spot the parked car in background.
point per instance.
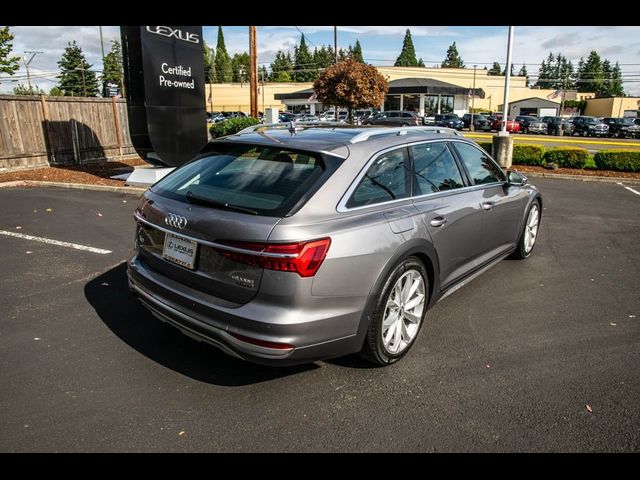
(496, 124)
(450, 120)
(429, 120)
(530, 124)
(286, 116)
(480, 122)
(286, 249)
(394, 118)
(622, 127)
(553, 125)
(307, 117)
(590, 127)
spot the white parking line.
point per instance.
(55, 242)
(629, 188)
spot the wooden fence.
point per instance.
(36, 130)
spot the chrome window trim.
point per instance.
(219, 246)
(342, 204)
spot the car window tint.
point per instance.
(407, 115)
(481, 168)
(386, 179)
(434, 168)
(268, 180)
(393, 114)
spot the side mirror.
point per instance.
(516, 178)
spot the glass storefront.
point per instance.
(430, 104)
(392, 102)
(411, 103)
(446, 103)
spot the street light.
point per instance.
(473, 97)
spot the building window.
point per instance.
(430, 104)
(392, 102)
(446, 103)
(411, 103)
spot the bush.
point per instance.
(569, 157)
(528, 154)
(486, 146)
(231, 126)
(621, 160)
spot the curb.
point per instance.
(77, 186)
(582, 178)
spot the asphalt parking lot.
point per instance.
(510, 362)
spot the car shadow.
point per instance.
(125, 316)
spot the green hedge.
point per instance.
(486, 146)
(621, 160)
(524, 154)
(569, 157)
(231, 126)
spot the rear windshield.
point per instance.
(252, 179)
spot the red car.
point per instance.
(496, 124)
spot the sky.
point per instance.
(481, 45)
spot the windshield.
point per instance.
(626, 121)
(249, 178)
(592, 121)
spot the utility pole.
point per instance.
(473, 97)
(335, 47)
(263, 112)
(253, 74)
(502, 143)
(26, 65)
(560, 133)
(101, 43)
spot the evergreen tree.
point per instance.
(357, 52)
(616, 88)
(281, 68)
(8, 65)
(303, 65)
(264, 76)
(523, 73)
(112, 66)
(224, 69)
(26, 90)
(323, 57)
(407, 57)
(209, 60)
(76, 77)
(511, 71)
(453, 59)
(606, 77)
(591, 76)
(343, 55)
(241, 67)
(55, 92)
(420, 62)
(555, 72)
(495, 70)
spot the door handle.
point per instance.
(438, 221)
(487, 205)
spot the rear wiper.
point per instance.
(191, 198)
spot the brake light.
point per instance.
(304, 258)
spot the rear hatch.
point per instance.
(206, 225)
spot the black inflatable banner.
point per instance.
(164, 85)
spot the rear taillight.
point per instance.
(304, 258)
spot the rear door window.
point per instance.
(435, 169)
(255, 179)
(386, 179)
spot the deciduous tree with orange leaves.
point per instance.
(350, 84)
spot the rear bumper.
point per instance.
(330, 333)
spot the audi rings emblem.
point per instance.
(175, 221)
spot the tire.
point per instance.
(525, 248)
(385, 344)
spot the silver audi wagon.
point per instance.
(287, 244)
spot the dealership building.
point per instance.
(425, 90)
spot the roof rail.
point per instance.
(374, 132)
(290, 125)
